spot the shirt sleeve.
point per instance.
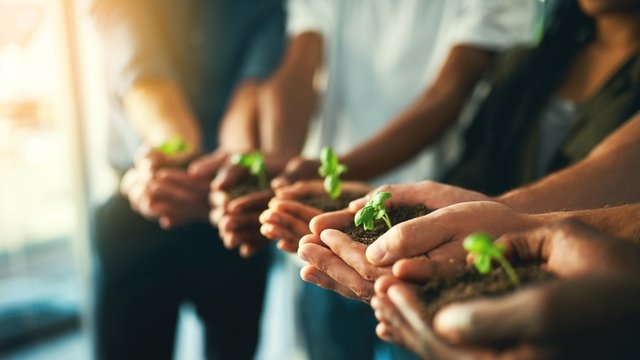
(496, 24)
(266, 47)
(310, 15)
(132, 41)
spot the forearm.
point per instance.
(288, 99)
(620, 221)
(239, 128)
(607, 177)
(159, 111)
(424, 121)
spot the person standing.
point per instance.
(186, 71)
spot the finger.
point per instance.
(352, 253)
(235, 239)
(219, 198)
(159, 189)
(296, 169)
(312, 275)
(383, 283)
(285, 237)
(300, 189)
(311, 239)
(228, 176)
(408, 304)
(490, 321)
(239, 223)
(421, 269)
(408, 239)
(331, 220)
(294, 208)
(253, 202)
(327, 262)
(284, 220)
(207, 166)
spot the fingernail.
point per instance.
(311, 279)
(453, 321)
(374, 252)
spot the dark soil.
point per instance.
(472, 285)
(397, 214)
(247, 185)
(327, 204)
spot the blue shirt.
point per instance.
(207, 46)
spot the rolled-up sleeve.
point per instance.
(310, 15)
(496, 24)
(133, 42)
(266, 46)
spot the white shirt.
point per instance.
(381, 54)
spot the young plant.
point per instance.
(174, 146)
(372, 211)
(485, 250)
(331, 169)
(255, 163)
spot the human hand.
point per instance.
(433, 195)
(539, 322)
(159, 189)
(591, 317)
(287, 219)
(237, 218)
(430, 244)
(296, 169)
(570, 248)
(335, 262)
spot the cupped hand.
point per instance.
(287, 219)
(433, 195)
(297, 168)
(433, 243)
(159, 189)
(336, 262)
(571, 248)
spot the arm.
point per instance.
(142, 74)
(284, 122)
(608, 176)
(424, 121)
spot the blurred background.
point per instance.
(53, 108)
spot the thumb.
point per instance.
(490, 321)
(296, 169)
(207, 166)
(228, 176)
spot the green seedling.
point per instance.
(331, 169)
(485, 250)
(372, 211)
(255, 163)
(174, 146)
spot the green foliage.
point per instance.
(173, 146)
(372, 211)
(255, 163)
(485, 250)
(331, 169)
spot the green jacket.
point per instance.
(501, 154)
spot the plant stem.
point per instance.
(509, 270)
(262, 180)
(387, 221)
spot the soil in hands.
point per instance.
(471, 285)
(246, 185)
(397, 214)
(327, 204)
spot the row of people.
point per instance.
(541, 108)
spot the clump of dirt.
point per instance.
(327, 204)
(471, 285)
(245, 186)
(397, 214)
